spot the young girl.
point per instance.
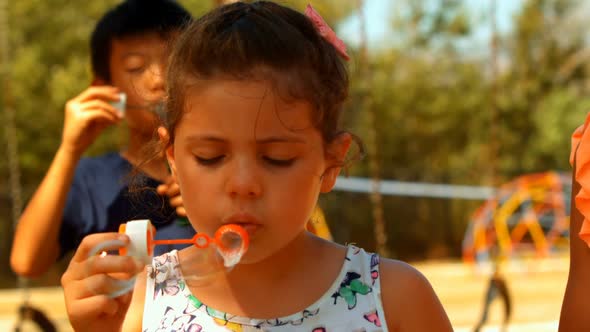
(255, 93)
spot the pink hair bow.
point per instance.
(326, 32)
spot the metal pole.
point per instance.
(10, 134)
(376, 198)
(494, 146)
(503, 247)
(9, 116)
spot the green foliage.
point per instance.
(332, 11)
(425, 23)
(433, 105)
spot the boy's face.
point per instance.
(138, 68)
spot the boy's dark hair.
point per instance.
(129, 18)
(260, 40)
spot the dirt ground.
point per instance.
(536, 286)
(537, 289)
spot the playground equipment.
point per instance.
(318, 225)
(528, 216)
(26, 312)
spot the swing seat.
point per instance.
(27, 312)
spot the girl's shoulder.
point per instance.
(403, 282)
(409, 301)
(402, 271)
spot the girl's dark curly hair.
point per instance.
(260, 41)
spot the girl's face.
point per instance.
(242, 155)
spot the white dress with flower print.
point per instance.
(353, 303)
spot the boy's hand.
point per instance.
(87, 115)
(171, 189)
(87, 284)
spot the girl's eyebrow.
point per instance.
(208, 138)
(265, 140)
(280, 139)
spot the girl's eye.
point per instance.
(208, 161)
(279, 162)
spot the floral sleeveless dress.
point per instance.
(352, 303)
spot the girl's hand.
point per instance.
(88, 281)
(87, 115)
(172, 190)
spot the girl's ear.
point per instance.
(335, 156)
(168, 149)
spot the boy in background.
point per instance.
(79, 196)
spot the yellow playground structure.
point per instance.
(318, 225)
(528, 216)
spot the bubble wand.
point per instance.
(230, 241)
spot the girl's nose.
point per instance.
(243, 180)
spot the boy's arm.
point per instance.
(574, 310)
(35, 247)
(36, 244)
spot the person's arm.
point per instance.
(576, 301)
(409, 301)
(134, 318)
(36, 245)
(88, 284)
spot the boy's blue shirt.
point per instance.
(99, 200)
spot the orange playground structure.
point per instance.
(526, 217)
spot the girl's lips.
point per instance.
(245, 220)
(250, 228)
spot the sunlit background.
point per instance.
(465, 107)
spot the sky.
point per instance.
(378, 17)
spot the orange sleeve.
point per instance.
(581, 153)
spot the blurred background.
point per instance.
(465, 107)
